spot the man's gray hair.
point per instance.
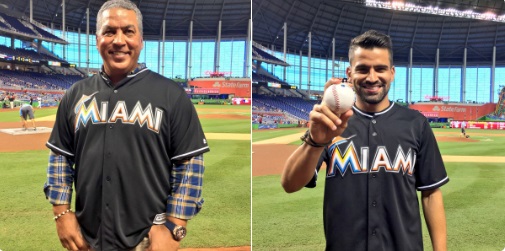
(123, 4)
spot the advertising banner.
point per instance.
(454, 111)
(239, 87)
(206, 91)
(479, 125)
(241, 101)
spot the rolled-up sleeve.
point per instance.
(186, 180)
(60, 178)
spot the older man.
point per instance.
(131, 143)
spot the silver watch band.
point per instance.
(160, 219)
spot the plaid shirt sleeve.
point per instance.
(60, 177)
(186, 179)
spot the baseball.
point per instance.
(339, 98)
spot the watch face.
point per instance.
(179, 233)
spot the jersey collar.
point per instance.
(373, 114)
(140, 68)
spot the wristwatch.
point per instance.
(179, 232)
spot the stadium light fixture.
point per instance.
(409, 7)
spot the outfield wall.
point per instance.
(455, 111)
(479, 125)
(239, 87)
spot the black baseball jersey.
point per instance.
(372, 174)
(124, 141)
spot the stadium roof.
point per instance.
(205, 14)
(345, 19)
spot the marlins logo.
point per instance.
(350, 159)
(97, 114)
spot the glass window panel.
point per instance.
(471, 84)
(399, 86)
(483, 85)
(499, 82)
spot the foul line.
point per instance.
(228, 136)
(473, 159)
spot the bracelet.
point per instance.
(309, 141)
(61, 214)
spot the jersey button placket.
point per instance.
(374, 188)
(108, 172)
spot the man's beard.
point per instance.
(373, 99)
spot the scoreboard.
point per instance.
(276, 85)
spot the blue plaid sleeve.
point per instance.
(186, 179)
(60, 177)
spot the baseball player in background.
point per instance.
(377, 156)
(26, 112)
(130, 142)
(463, 129)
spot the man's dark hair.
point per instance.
(369, 40)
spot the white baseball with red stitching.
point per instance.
(339, 98)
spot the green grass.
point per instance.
(26, 216)
(259, 135)
(284, 221)
(224, 109)
(225, 218)
(487, 145)
(474, 200)
(225, 125)
(8, 115)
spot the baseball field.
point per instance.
(224, 223)
(474, 198)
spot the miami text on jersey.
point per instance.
(98, 114)
(349, 159)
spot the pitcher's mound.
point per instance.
(21, 131)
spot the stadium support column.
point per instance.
(163, 48)
(308, 61)
(493, 69)
(326, 69)
(31, 11)
(79, 46)
(87, 41)
(218, 47)
(39, 44)
(437, 66)
(190, 45)
(409, 84)
(52, 44)
(272, 52)
(333, 57)
(63, 29)
(159, 56)
(463, 77)
(248, 51)
(284, 46)
(300, 72)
